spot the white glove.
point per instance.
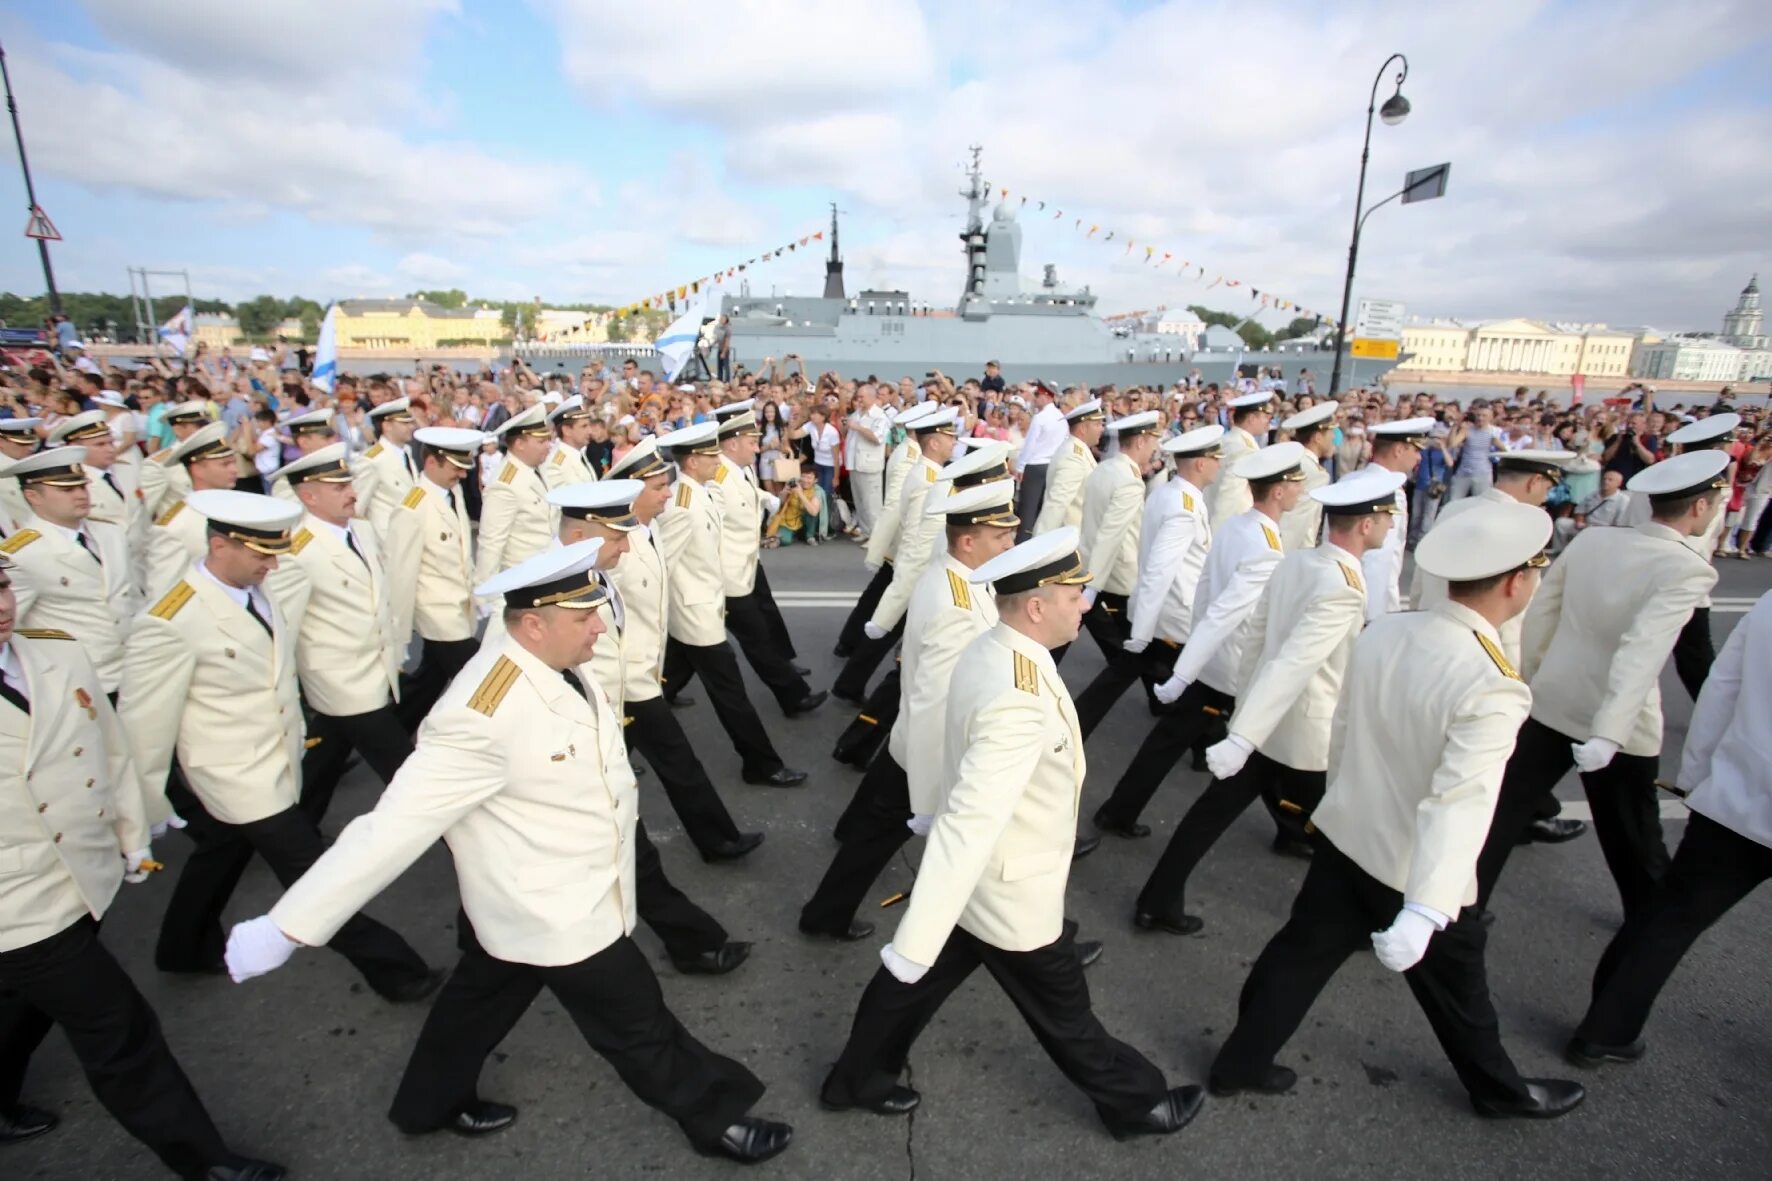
(1089, 593)
(1171, 690)
(138, 865)
(920, 824)
(905, 971)
(1136, 646)
(873, 631)
(1594, 754)
(483, 611)
(871, 567)
(255, 947)
(173, 820)
(1401, 946)
(771, 502)
(1225, 759)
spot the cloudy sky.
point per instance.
(1609, 159)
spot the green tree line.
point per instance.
(1255, 335)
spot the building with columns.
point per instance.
(1518, 346)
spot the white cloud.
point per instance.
(430, 270)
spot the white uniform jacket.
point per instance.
(88, 594)
(1173, 542)
(117, 502)
(428, 549)
(1245, 552)
(163, 482)
(1428, 715)
(689, 535)
(1727, 761)
(884, 539)
(1066, 475)
(516, 520)
(1383, 566)
(175, 539)
(999, 854)
(945, 615)
(1113, 506)
(919, 538)
(1426, 589)
(341, 604)
(13, 507)
(529, 785)
(1230, 493)
(741, 535)
(1601, 628)
(565, 465)
(1300, 524)
(1301, 636)
(70, 800)
(639, 579)
(382, 476)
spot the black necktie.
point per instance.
(14, 696)
(578, 686)
(259, 619)
(406, 458)
(449, 495)
(351, 543)
(113, 484)
(80, 540)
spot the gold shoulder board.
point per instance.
(1495, 654)
(1187, 501)
(172, 601)
(1081, 448)
(508, 473)
(1273, 539)
(42, 633)
(414, 498)
(165, 518)
(684, 495)
(961, 592)
(19, 541)
(161, 454)
(559, 457)
(720, 474)
(1027, 677)
(300, 541)
(929, 474)
(1351, 578)
(373, 451)
(492, 690)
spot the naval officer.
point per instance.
(1067, 473)
(520, 770)
(428, 550)
(515, 520)
(884, 536)
(177, 538)
(1396, 447)
(1593, 647)
(114, 489)
(1301, 636)
(1314, 429)
(309, 432)
(1251, 415)
(209, 674)
(1695, 651)
(1203, 686)
(164, 481)
(72, 817)
(71, 573)
(18, 438)
(990, 889)
(946, 613)
(565, 464)
(385, 473)
(336, 594)
(1428, 714)
(738, 446)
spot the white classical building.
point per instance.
(1689, 358)
(1183, 323)
(1744, 327)
(1518, 346)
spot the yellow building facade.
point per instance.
(414, 324)
(1518, 346)
(1436, 348)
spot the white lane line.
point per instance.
(1579, 810)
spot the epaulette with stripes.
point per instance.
(1273, 539)
(1351, 578)
(684, 496)
(414, 498)
(1495, 654)
(492, 690)
(1187, 502)
(929, 474)
(720, 474)
(173, 601)
(508, 473)
(1027, 675)
(961, 592)
(373, 451)
(42, 633)
(299, 542)
(19, 541)
(558, 458)
(165, 518)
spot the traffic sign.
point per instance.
(1379, 318)
(1376, 350)
(40, 227)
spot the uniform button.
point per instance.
(90, 782)
(42, 807)
(101, 811)
(79, 750)
(58, 838)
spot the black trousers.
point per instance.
(1695, 651)
(438, 662)
(1215, 811)
(1107, 623)
(1337, 909)
(1111, 626)
(1046, 986)
(1627, 814)
(191, 936)
(614, 999)
(872, 830)
(1197, 711)
(865, 736)
(778, 627)
(659, 739)
(70, 980)
(1033, 494)
(1715, 868)
(852, 683)
(379, 736)
(748, 621)
(718, 669)
(852, 635)
(684, 928)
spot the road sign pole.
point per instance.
(55, 299)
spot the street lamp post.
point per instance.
(1395, 110)
(55, 300)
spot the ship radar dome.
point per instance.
(1003, 212)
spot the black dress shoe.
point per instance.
(1554, 831)
(732, 850)
(1187, 924)
(854, 699)
(1275, 1080)
(785, 777)
(1593, 1054)
(416, 989)
(1487, 918)
(680, 701)
(897, 1101)
(717, 962)
(1546, 1098)
(842, 652)
(1131, 832)
(806, 704)
(1176, 1110)
(854, 932)
(752, 1141)
(481, 1118)
(21, 1122)
(1293, 847)
(246, 1170)
(1084, 847)
(1088, 951)
(801, 670)
(639, 769)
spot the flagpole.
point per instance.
(55, 299)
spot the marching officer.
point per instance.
(884, 537)
(1695, 651)
(72, 815)
(1314, 430)
(515, 520)
(1301, 636)
(1203, 686)
(1592, 648)
(18, 438)
(990, 889)
(739, 450)
(309, 432)
(918, 539)
(163, 481)
(1068, 472)
(335, 592)
(1251, 416)
(204, 462)
(1429, 711)
(1396, 447)
(520, 768)
(565, 464)
(209, 672)
(71, 573)
(946, 613)
(114, 501)
(385, 473)
(428, 551)
(689, 533)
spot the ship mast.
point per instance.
(973, 236)
(833, 267)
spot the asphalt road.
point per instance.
(300, 1066)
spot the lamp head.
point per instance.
(1394, 110)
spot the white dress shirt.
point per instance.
(1046, 434)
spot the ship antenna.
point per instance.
(833, 267)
